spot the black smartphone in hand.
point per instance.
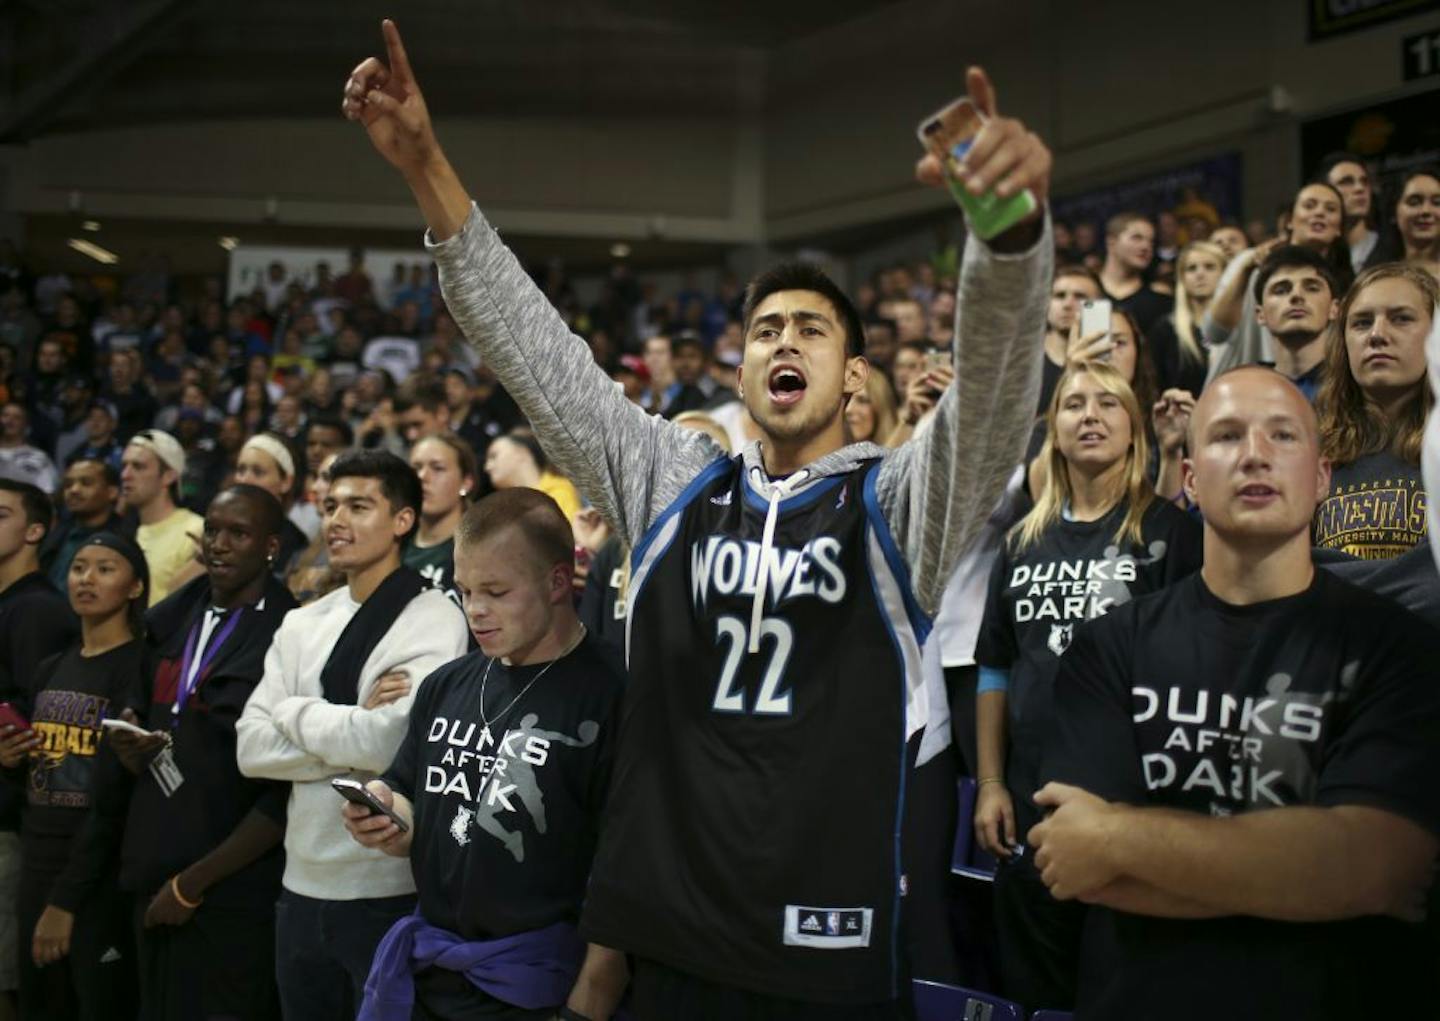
(355, 792)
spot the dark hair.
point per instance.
(1295, 257)
(398, 481)
(687, 339)
(526, 439)
(1331, 160)
(804, 276)
(537, 516)
(107, 470)
(39, 509)
(270, 515)
(347, 434)
(919, 346)
(426, 391)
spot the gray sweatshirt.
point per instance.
(936, 491)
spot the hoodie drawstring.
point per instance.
(778, 492)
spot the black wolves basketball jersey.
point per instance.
(752, 834)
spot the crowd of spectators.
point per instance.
(160, 414)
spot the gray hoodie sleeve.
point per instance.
(1247, 343)
(938, 489)
(629, 464)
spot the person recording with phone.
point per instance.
(497, 792)
(77, 958)
(333, 699)
(201, 852)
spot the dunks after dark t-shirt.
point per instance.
(1179, 700)
(506, 816)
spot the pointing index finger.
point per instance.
(395, 50)
(982, 93)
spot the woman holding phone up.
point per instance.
(76, 958)
(1096, 538)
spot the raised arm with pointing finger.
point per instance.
(777, 708)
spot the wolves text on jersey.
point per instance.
(732, 567)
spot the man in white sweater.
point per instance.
(339, 681)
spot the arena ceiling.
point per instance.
(75, 65)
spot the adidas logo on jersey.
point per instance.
(110, 956)
(811, 924)
(723, 500)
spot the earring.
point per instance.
(464, 492)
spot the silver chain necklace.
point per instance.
(523, 691)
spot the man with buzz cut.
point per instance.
(333, 701)
(1242, 766)
(755, 857)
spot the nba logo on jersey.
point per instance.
(832, 923)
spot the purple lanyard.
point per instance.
(182, 687)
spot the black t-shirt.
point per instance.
(602, 604)
(1375, 510)
(1147, 305)
(506, 822)
(75, 693)
(1173, 367)
(35, 623)
(1179, 700)
(164, 835)
(1050, 374)
(436, 564)
(1075, 572)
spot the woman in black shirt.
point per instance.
(78, 964)
(1096, 538)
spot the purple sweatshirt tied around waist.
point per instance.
(530, 969)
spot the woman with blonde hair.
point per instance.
(1097, 537)
(1372, 409)
(871, 414)
(1181, 360)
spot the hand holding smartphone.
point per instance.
(12, 717)
(948, 134)
(357, 793)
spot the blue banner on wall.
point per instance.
(1209, 190)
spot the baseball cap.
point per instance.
(105, 406)
(636, 364)
(166, 447)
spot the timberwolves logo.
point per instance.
(460, 826)
(1060, 635)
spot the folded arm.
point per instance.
(1296, 864)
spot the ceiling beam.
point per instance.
(112, 41)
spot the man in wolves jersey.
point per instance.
(751, 859)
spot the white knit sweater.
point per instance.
(288, 731)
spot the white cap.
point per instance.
(166, 447)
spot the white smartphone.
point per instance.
(130, 727)
(1095, 317)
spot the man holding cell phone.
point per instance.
(497, 791)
